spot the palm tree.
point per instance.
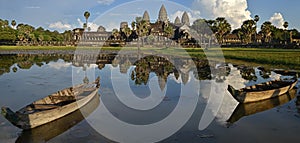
(266, 30)
(256, 19)
(133, 25)
(248, 29)
(169, 31)
(222, 28)
(127, 31)
(285, 25)
(84, 25)
(115, 33)
(86, 15)
(13, 23)
(142, 29)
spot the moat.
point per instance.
(25, 78)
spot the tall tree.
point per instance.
(266, 31)
(13, 23)
(248, 28)
(133, 25)
(84, 25)
(285, 25)
(115, 33)
(86, 15)
(222, 28)
(256, 19)
(169, 31)
(203, 29)
(127, 32)
(239, 33)
(142, 29)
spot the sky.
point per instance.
(63, 15)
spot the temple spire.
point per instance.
(163, 16)
(146, 16)
(177, 21)
(185, 19)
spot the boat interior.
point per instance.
(58, 99)
(267, 85)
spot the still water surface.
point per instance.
(276, 120)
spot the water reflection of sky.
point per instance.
(26, 85)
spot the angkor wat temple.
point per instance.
(161, 33)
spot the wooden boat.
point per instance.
(48, 131)
(246, 109)
(262, 91)
(52, 107)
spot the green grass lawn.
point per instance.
(273, 58)
(37, 48)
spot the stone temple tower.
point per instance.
(177, 21)
(185, 19)
(146, 16)
(163, 16)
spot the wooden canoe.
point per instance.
(262, 91)
(247, 109)
(46, 132)
(52, 107)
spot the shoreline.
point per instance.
(275, 58)
(36, 52)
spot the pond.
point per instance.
(117, 115)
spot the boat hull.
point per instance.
(26, 120)
(254, 96)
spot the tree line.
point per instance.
(247, 33)
(10, 32)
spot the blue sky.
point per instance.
(68, 14)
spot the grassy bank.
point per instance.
(273, 58)
(37, 48)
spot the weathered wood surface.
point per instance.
(53, 106)
(262, 91)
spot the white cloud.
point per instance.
(194, 15)
(60, 64)
(60, 26)
(277, 20)
(93, 26)
(235, 11)
(105, 2)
